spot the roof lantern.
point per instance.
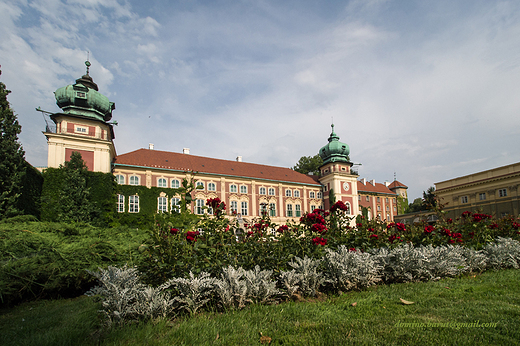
(83, 99)
(335, 151)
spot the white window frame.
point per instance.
(288, 193)
(482, 196)
(296, 193)
(272, 209)
(133, 204)
(263, 209)
(134, 180)
(233, 188)
(212, 187)
(162, 204)
(289, 210)
(319, 195)
(120, 203)
(243, 207)
(261, 191)
(162, 182)
(233, 206)
(175, 205)
(199, 183)
(243, 189)
(312, 194)
(120, 179)
(175, 183)
(297, 210)
(199, 204)
(502, 192)
(271, 191)
(464, 199)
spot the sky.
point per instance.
(424, 91)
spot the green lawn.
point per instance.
(493, 297)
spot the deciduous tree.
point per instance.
(309, 164)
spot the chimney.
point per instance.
(364, 181)
(373, 182)
(239, 158)
(387, 183)
(186, 150)
(150, 146)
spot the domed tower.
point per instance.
(82, 126)
(336, 176)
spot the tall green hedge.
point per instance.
(32, 183)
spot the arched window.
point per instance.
(288, 193)
(243, 189)
(175, 184)
(134, 180)
(262, 191)
(212, 187)
(232, 188)
(296, 193)
(161, 182)
(271, 191)
(312, 194)
(120, 179)
(319, 195)
(200, 185)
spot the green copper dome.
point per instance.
(84, 99)
(335, 151)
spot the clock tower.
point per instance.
(336, 176)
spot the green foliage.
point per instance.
(90, 198)
(43, 260)
(32, 184)
(309, 164)
(12, 163)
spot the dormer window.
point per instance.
(81, 94)
(81, 129)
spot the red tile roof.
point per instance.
(395, 184)
(378, 188)
(187, 162)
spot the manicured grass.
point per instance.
(492, 297)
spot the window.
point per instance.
(243, 208)
(312, 208)
(161, 182)
(243, 189)
(378, 207)
(271, 191)
(262, 191)
(81, 94)
(272, 209)
(134, 180)
(378, 199)
(312, 194)
(200, 185)
(368, 198)
(296, 193)
(464, 199)
(175, 184)
(120, 179)
(263, 209)
(359, 197)
(288, 193)
(232, 188)
(120, 203)
(212, 187)
(289, 210)
(133, 204)
(348, 207)
(386, 200)
(162, 204)
(387, 207)
(234, 207)
(298, 210)
(319, 195)
(482, 196)
(199, 204)
(175, 205)
(81, 129)
(502, 193)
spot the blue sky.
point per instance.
(426, 89)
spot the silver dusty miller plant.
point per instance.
(310, 277)
(125, 298)
(504, 253)
(290, 281)
(231, 288)
(261, 288)
(347, 270)
(192, 293)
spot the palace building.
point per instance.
(247, 189)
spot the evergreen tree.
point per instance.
(74, 204)
(12, 161)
